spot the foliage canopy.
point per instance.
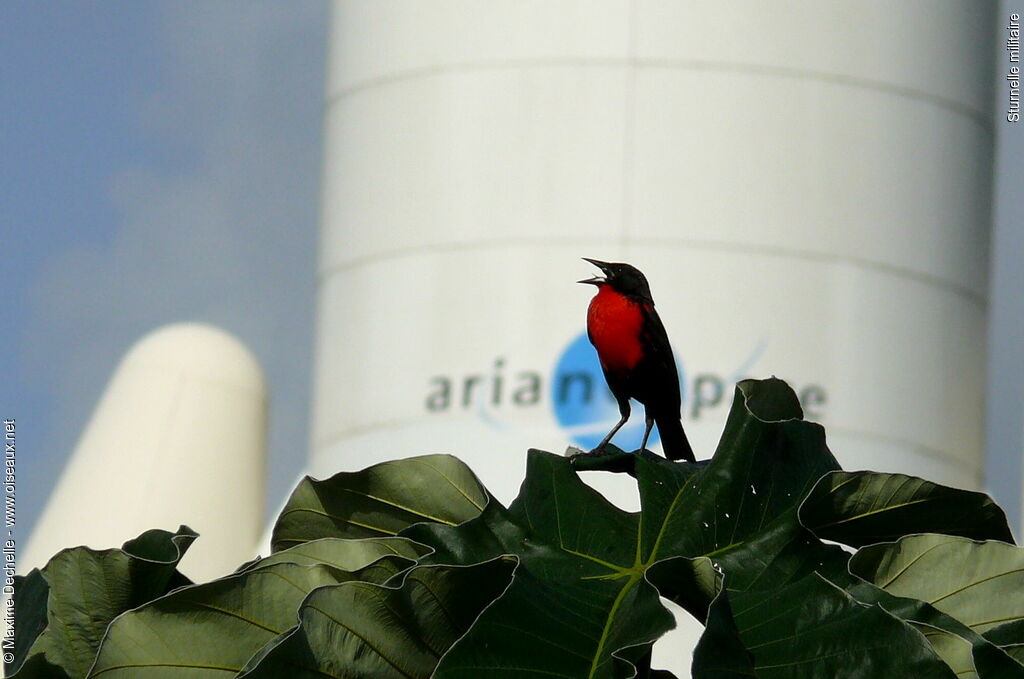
(411, 569)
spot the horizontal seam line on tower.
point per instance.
(979, 117)
(926, 451)
(774, 251)
(359, 430)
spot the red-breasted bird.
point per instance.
(635, 355)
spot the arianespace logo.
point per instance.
(583, 404)
(579, 399)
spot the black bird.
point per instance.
(635, 355)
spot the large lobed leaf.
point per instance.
(380, 500)
(981, 584)
(84, 589)
(861, 508)
(1009, 637)
(969, 654)
(364, 630)
(577, 597)
(210, 629)
(789, 611)
(582, 600)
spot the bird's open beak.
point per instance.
(596, 280)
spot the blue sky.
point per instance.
(160, 162)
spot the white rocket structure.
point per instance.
(805, 184)
(182, 420)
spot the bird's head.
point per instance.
(621, 277)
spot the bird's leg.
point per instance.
(624, 411)
(647, 432)
(604, 442)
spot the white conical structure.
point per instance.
(177, 438)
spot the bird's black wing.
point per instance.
(659, 364)
(661, 380)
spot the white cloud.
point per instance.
(227, 236)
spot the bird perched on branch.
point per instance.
(635, 355)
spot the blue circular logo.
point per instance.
(585, 407)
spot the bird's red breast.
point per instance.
(614, 323)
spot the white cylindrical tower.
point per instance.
(179, 437)
(805, 184)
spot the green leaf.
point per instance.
(813, 629)
(989, 661)
(209, 629)
(343, 554)
(749, 492)
(584, 561)
(783, 583)
(31, 594)
(89, 588)
(956, 651)
(598, 619)
(694, 584)
(1009, 637)
(379, 632)
(807, 628)
(861, 508)
(380, 500)
(720, 653)
(770, 400)
(578, 596)
(980, 584)
(36, 667)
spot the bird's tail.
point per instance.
(673, 438)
